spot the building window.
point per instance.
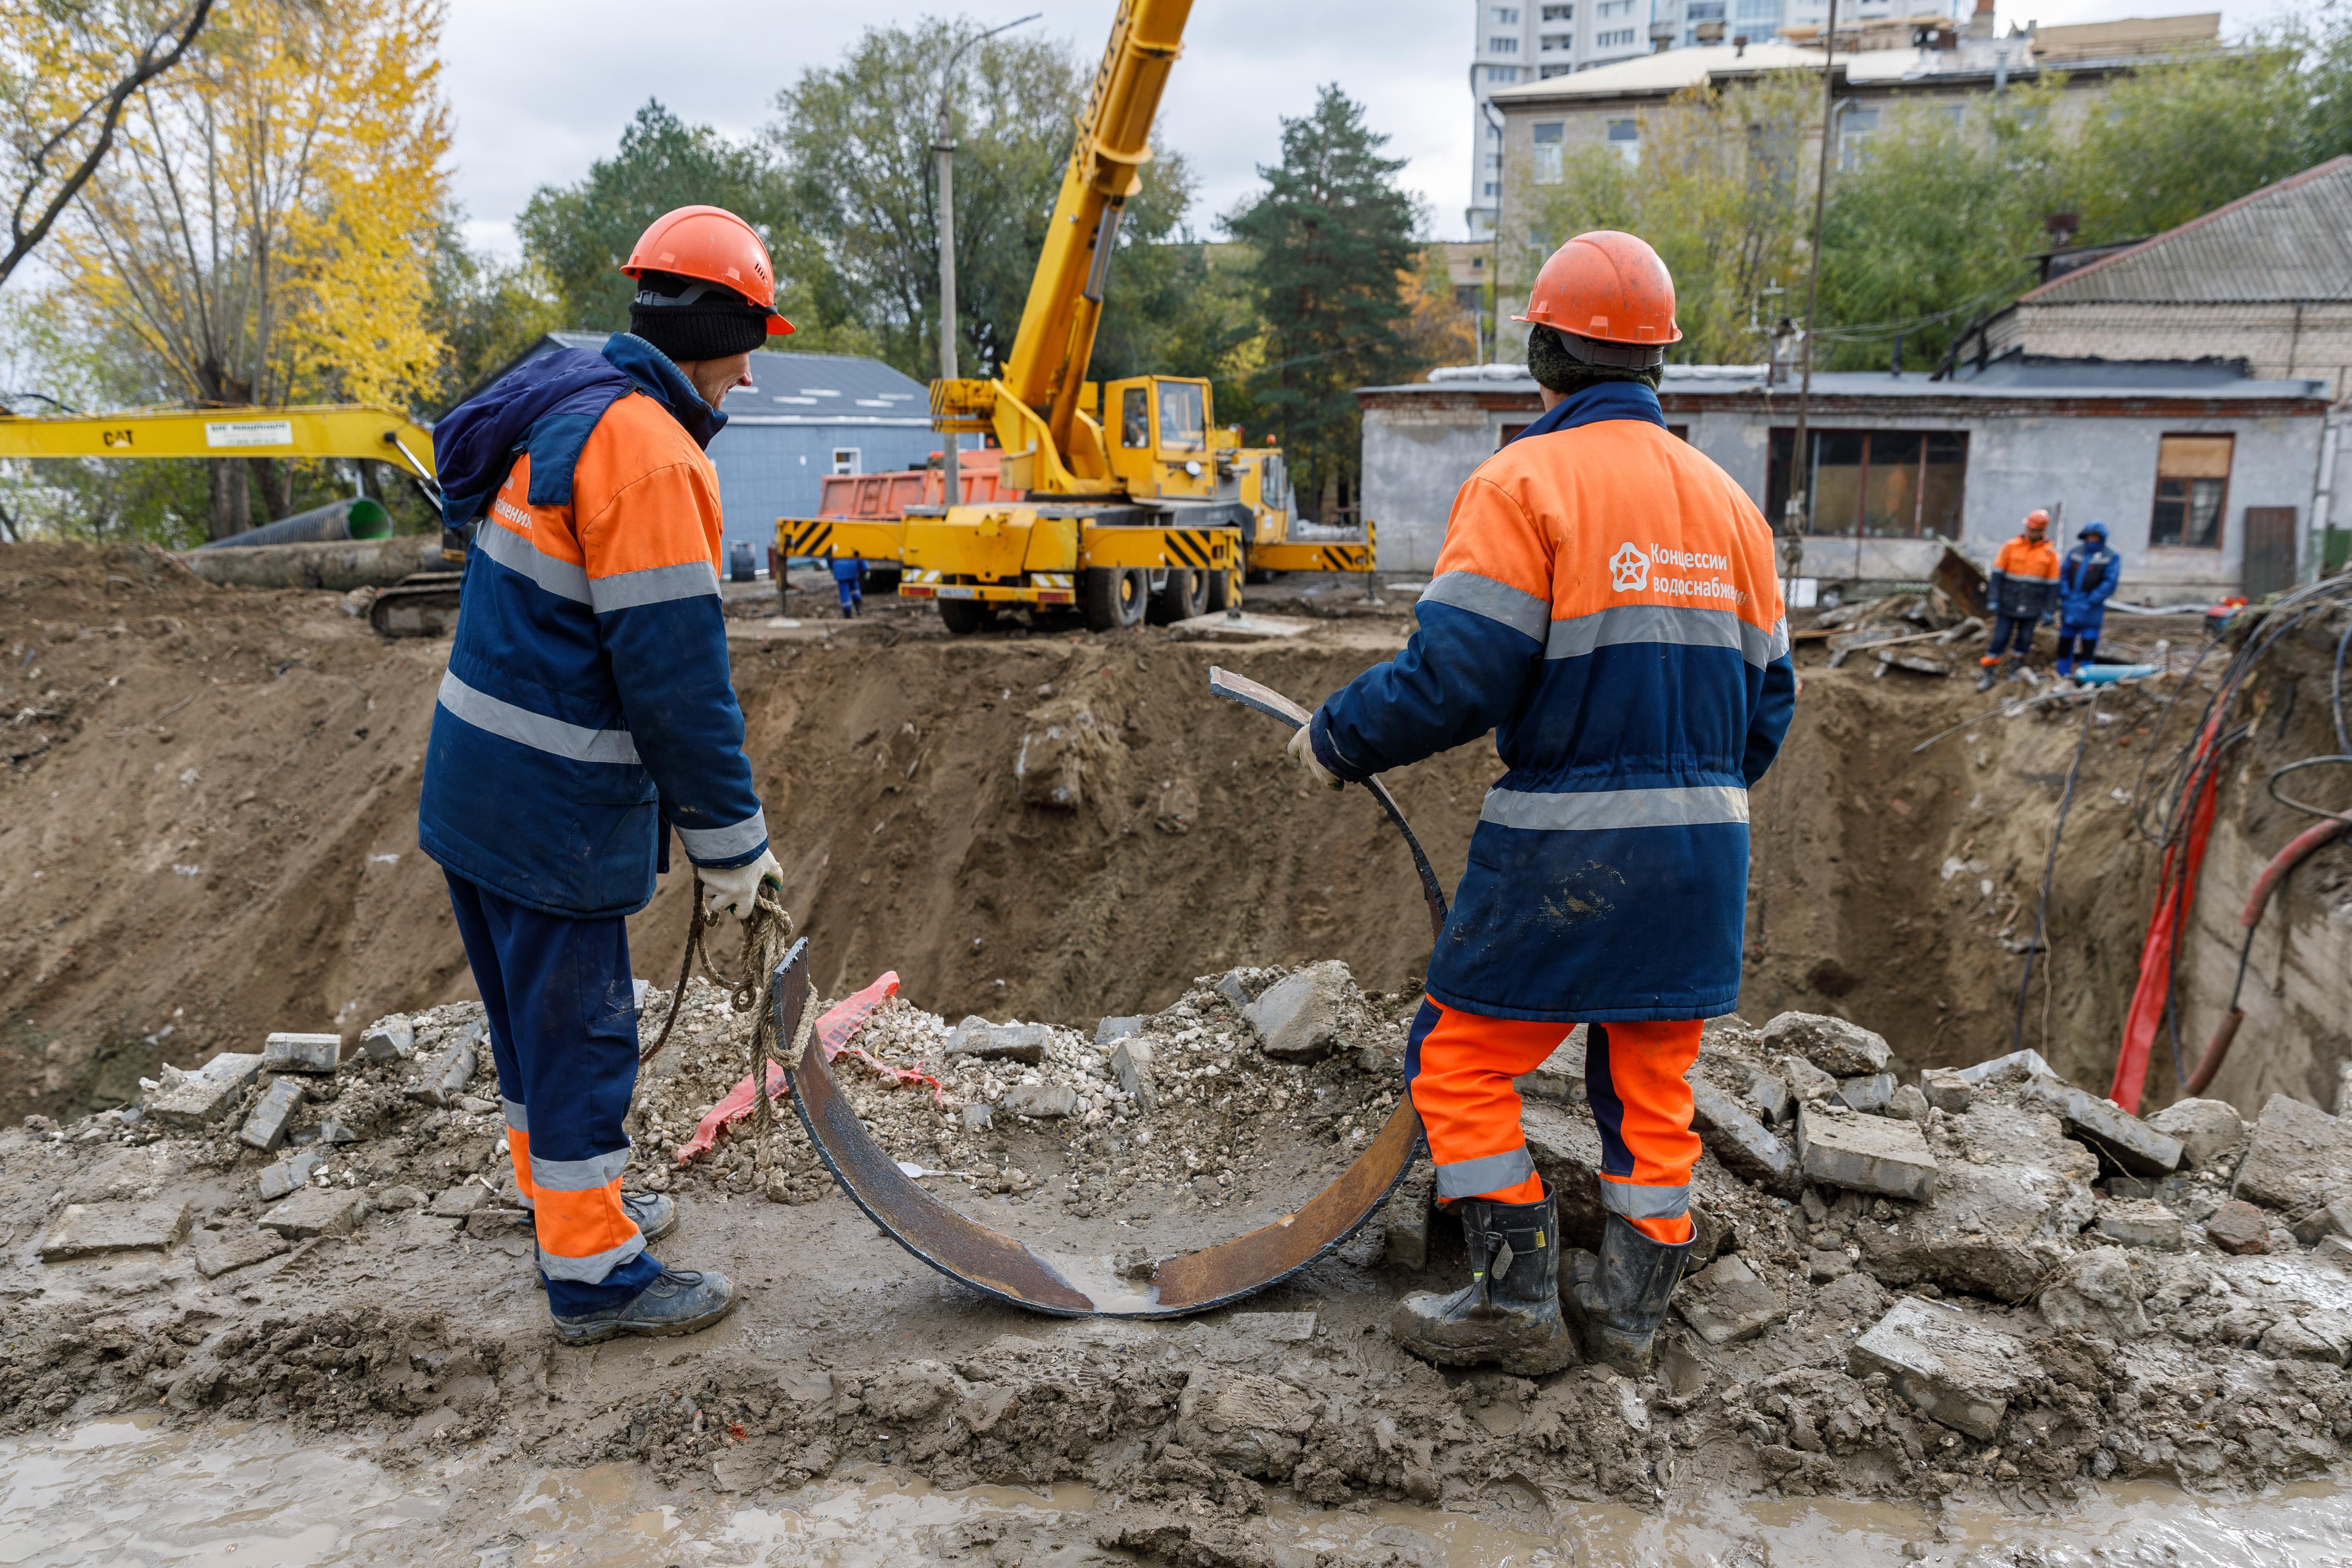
(1548, 151)
(1558, 43)
(1494, 188)
(1623, 38)
(1135, 419)
(1502, 45)
(1559, 13)
(847, 460)
(1625, 136)
(1854, 132)
(1885, 484)
(2192, 488)
(1758, 19)
(1502, 73)
(1508, 16)
(1551, 71)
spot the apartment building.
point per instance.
(1528, 40)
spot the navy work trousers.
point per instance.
(2012, 629)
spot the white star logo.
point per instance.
(1629, 569)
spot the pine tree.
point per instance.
(1329, 236)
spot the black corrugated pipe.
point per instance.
(357, 518)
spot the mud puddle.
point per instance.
(134, 1491)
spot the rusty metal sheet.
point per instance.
(998, 1265)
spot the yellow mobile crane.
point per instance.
(1121, 500)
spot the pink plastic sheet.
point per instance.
(834, 1031)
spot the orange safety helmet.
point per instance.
(1607, 288)
(2036, 519)
(713, 246)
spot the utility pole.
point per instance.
(943, 143)
(1793, 539)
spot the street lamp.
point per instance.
(943, 143)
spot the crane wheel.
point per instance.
(1185, 596)
(1112, 599)
(963, 617)
(1224, 591)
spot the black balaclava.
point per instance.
(1554, 367)
(689, 319)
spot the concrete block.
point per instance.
(1945, 1090)
(1039, 1099)
(445, 1077)
(2299, 1157)
(301, 1052)
(2324, 1337)
(1840, 1048)
(1870, 1095)
(1767, 1096)
(1410, 1209)
(1865, 1154)
(265, 1126)
(392, 1199)
(290, 1175)
(977, 1118)
(1748, 1148)
(2107, 1127)
(1298, 1018)
(2238, 1227)
(1110, 1031)
(1130, 1062)
(457, 1202)
(1907, 1103)
(200, 1098)
(2001, 1068)
(2008, 1205)
(390, 1039)
(1806, 1082)
(1958, 1373)
(93, 1229)
(316, 1211)
(2335, 1249)
(1726, 1303)
(2208, 1130)
(2141, 1223)
(1236, 988)
(2100, 1291)
(219, 1251)
(984, 1041)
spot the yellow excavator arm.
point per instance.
(343, 430)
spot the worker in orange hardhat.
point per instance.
(586, 715)
(2021, 591)
(1606, 603)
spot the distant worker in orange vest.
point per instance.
(1606, 603)
(2021, 593)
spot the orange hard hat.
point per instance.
(1607, 287)
(713, 246)
(2037, 519)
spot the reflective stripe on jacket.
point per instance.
(2085, 584)
(1607, 603)
(587, 698)
(2024, 581)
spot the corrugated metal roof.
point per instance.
(2285, 242)
(807, 389)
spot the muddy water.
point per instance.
(132, 1492)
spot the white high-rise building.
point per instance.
(1524, 40)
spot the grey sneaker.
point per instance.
(681, 1301)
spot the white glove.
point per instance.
(1302, 752)
(736, 888)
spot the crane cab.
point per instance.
(1157, 432)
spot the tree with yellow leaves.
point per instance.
(265, 234)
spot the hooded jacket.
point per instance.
(587, 701)
(2086, 582)
(1607, 603)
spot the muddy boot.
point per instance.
(681, 1301)
(655, 1214)
(1619, 1299)
(1991, 673)
(1508, 1315)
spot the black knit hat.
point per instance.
(689, 319)
(1557, 367)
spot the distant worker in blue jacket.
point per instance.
(587, 711)
(849, 581)
(2085, 584)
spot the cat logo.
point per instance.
(1629, 569)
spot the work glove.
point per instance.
(1302, 752)
(734, 888)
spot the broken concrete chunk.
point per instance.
(457, 1202)
(2238, 1227)
(1408, 1214)
(2314, 1336)
(337, 1130)
(92, 1230)
(977, 1118)
(2006, 1208)
(2100, 1292)
(200, 1098)
(1840, 1048)
(1298, 1018)
(1870, 1095)
(2140, 1223)
(2208, 1130)
(1130, 1062)
(1959, 1372)
(1748, 1148)
(1806, 1082)
(291, 1174)
(218, 1251)
(2299, 1157)
(1945, 1090)
(1769, 1093)
(2107, 1127)
(1110, 1031)
(2335, 1249)
(1726, 1303)
(1865, 1154)
(301, 1052)
(1039, 1099)
(1235, 987)
(984, 1041)
(389, 1040)
(316, 1211)
(1908, 1104)
(264, 1127)
(2001, 1069)
(447, 1075)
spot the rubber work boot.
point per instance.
(1509, 1313)
(680, 1300)
(1992, 672)
(1619, 1299)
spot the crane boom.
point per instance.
(340, 430)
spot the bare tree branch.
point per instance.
(153, 61)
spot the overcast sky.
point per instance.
(541, 89)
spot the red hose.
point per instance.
(2286, 859)
(2173, 900)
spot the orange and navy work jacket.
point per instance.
(2024, 582)
(587, 701)
(1606, 602)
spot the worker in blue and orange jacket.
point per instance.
(1606, 602)
(2021, 593)
(587, 711)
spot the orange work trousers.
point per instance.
(1458, 1068)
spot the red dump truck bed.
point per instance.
(881, 496)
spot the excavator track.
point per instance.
(1008, 1269)
(423, 605)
